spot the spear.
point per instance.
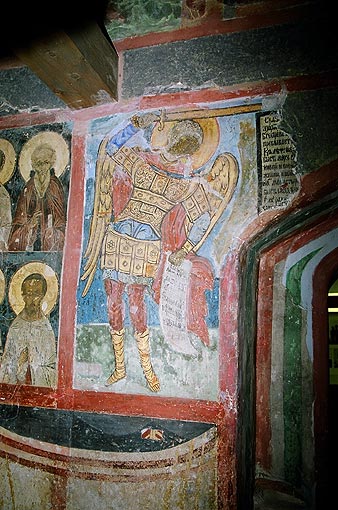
(204, 113)
(201, 113)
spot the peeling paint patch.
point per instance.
(229, 400)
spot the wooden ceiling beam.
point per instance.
(79, 65)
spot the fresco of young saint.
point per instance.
(29, 355)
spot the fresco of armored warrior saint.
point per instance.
(152, 212)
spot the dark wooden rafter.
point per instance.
(66, 46)
(79, 65)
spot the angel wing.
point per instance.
(222, 180)
(102, 210)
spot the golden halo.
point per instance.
(51, 138)
(2, 286)
(7, 170)
(14, 292)
(210, 127)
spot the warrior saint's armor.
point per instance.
(155, 194)
(132, 245)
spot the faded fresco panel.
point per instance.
(91, 459)
(167, 196)
(125, 18)
(34, 185)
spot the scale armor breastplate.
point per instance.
(154, 193)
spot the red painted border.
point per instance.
(31, 396)
(228, 331)
(69, 456)
(71, 261)
(263, 354)
(144, 405)
(36, 119)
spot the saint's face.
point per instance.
(32, 295)
(43, 160)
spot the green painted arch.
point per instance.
(290, 225)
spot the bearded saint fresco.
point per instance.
(29, 355)
(32, 233)
(39, 221)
